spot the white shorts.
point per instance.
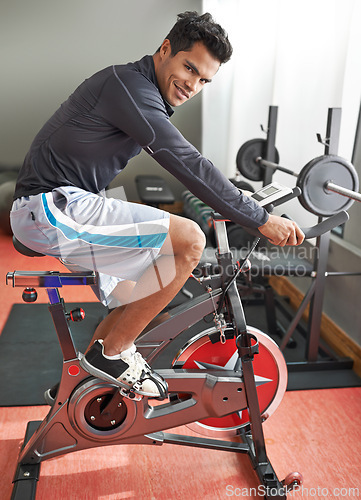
(115, 238)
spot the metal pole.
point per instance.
(270, 152)
(316, 305)
(275, 166)
(333, 131)
(330, 186)
(323, 244)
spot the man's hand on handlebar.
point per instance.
(282, 232)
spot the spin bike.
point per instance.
(225, 380)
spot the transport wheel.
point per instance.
(292, 480)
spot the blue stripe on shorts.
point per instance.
(136, 241)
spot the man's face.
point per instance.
(181, 77)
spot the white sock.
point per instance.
(128, 352)
(114, 357)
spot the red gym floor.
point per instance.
(315, 432)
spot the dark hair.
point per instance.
(191, 27)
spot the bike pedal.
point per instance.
(128, 393)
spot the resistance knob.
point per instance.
(29, 295)
(77, 314)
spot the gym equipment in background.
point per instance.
(153, 190)
(197, 210)
(329, 185)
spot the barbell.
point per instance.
(328, 183)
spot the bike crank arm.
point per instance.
(200, 395)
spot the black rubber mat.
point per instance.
(328, 372)
(30, 356)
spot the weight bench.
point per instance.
(153, 190)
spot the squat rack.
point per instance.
(315, 294)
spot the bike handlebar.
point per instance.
(309, 232)
(326, 225)
(321, 228)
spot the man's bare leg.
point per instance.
(122, 292)
(179, 255)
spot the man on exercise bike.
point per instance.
(142, 255)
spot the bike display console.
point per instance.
(271, 193)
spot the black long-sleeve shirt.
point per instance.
(108, 120)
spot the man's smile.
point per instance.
(182, 91)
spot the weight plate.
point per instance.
(246, 159)
(312, 181)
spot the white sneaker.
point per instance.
(130, 371)
(148, 382)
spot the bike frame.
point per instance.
(211, 393)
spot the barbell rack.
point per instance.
(261, 167)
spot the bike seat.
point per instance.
(25, 250)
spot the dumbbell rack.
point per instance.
(315, 294)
